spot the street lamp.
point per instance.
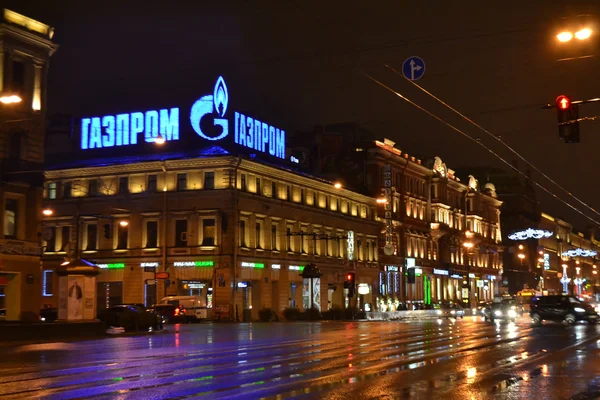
(123, 223)
(47, 212)
(337, 185)
(10, 99)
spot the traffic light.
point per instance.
(566, 112)
(107, 231)
(411, 275)
(350, 282)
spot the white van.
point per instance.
(194, 306)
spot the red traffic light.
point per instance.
(563, 102)
(348, 277)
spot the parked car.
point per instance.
(48, 314)
(169, 314)
(561, 308)
(131, 317)
(502, 309)
(451, 311)
(194, 306)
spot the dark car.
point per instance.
(48, 314)
(502, 309)
(132, 317)
(450, 311)
(561, 308)
(169, 313)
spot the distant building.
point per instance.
(25, 51)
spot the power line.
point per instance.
(513, 151)
(479, 143)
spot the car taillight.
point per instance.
(177, 311)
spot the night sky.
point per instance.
(295, 64)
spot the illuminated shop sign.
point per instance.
(242, 284)
(149, 265)
(410, 262)
(471, 275)
(209, 263)
(275, 266)
(456, 276)
(296, 267)
(252, 265)
(111, 266)
(391, 268)
(546, 261)
(193, 284)
(363, 288)
(350, 245)
(440, 271)
(207, 117)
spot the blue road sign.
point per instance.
(413, 68)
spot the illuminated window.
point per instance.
(50, 233)
(152, 183)
(11, 222)
(209, 180)
(47, 277)
(208, 232)
(52, 190)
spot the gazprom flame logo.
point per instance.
(212, 104)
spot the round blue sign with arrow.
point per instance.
(413, 68)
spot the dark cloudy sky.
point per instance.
(296, 63)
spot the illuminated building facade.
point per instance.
(235, 231)
(25, 51)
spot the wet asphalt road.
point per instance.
(465, 359)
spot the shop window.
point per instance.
(208, 232)
(122, 236)
(47, 278)
(152, 183)
(92, 237)
(181, 182)
(93, 187)
(209, 180)
(11, 218)
(124, 185)
(50, 231)
(151, 234)
(65, 237)
(274, 241)
(181, 226)
(258, 235)
(52, 190)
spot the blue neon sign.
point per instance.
(125, 129)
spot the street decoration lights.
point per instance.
(530, 234)
(578, 252)
(578, 281)
(565, 280)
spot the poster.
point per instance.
(62, 298)
(89, 295)
(75, 300)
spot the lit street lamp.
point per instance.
(10, 99)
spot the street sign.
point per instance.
(162, 275)
(413, 68)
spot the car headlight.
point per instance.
(452, 312)
(579, 309)
(439, 312)
(512, 313)
(498, 313)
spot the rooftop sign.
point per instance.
(207, 118)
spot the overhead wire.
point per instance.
(512, 150)
(479, 143)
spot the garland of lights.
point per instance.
(530, 234)
(578, 252)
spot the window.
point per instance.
(360, 249)
(302, 199)
(289, 238)
(209, 180)
(208, 232)
(11, 221)
(258, 185)
(124, 185)
(242, 234)
(151, 234)
(52, 190)
(18, 77)
(152, 183)
(274, 190)
(67, 192)
(47, 277)
(326, 202)
(50, 234)
(305, 238)
(181, 233)
(92, 237)
(122, 236)
(182, 181)
(274, 238)
(243, 183)
(258, 236)
(65, 237)
(315, 199)
(288, 193)
(92, 187)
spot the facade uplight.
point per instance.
(381, 200)
(124, 223)
(159, 139)
(47, 212)
(521, 247)
(521, 256)
(337, 185)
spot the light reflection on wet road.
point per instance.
(465, 359)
